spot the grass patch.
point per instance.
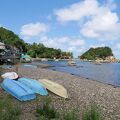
(70, 115)
(9, 111)
(46, 111)
(92, 113)
(1, 71)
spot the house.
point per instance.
(8, 53)
(2, 46)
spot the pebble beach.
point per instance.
(82, 93)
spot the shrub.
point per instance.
(92, 113)
(8, 111)
(46, 111)
(70, 115)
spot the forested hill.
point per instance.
(97, 53)
(34, 50)
(8, 37)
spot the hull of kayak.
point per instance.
(54, 87)
(30, 66)
(34, 85)
(18, 90)
(10, 75)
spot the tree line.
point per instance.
(34, 50)
(39, 50)
(97, 53)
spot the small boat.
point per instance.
(10, 75)
(97, 63)
(44, 59)
(7, 66)
(36, 86)
(18, 90)
(54, 87)
(56, 60)
(25, 58)
(30, 66)
(71, 63)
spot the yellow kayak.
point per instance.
(54, 87)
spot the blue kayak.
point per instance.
(34, 85)
(30, 66)
(18, 90)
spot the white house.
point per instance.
(2, 45)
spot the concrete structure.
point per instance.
(2, 45)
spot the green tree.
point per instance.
(34, 50)
(95, 53)
(8, 37)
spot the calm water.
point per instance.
(107, 72)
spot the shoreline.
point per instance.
(82, 93)
(89, 79)
(47, 66)
(96, 81)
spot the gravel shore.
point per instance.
(82, 92)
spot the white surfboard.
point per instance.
(54, 87)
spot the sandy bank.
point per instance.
(82, 92)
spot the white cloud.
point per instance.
(64, 43)
(33, 29)
(116, 50)
(54, 42)
(100, 22)
(111, 4)
(118, 46)
(103, 26)
(77, 50)
(78, 10)
(76, 42)
(95, 46)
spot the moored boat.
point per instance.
(25, 58)
(10, 75)
(56, 60)
(36, 86)
(18, 90)
(71, 63)
(44, 59)
(54, 87)
(30, 66)
(97, 62)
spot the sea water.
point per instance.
(106, 72)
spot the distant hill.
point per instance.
(10, 38)
(34, 50)
(97, 53)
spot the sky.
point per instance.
(69, 25)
